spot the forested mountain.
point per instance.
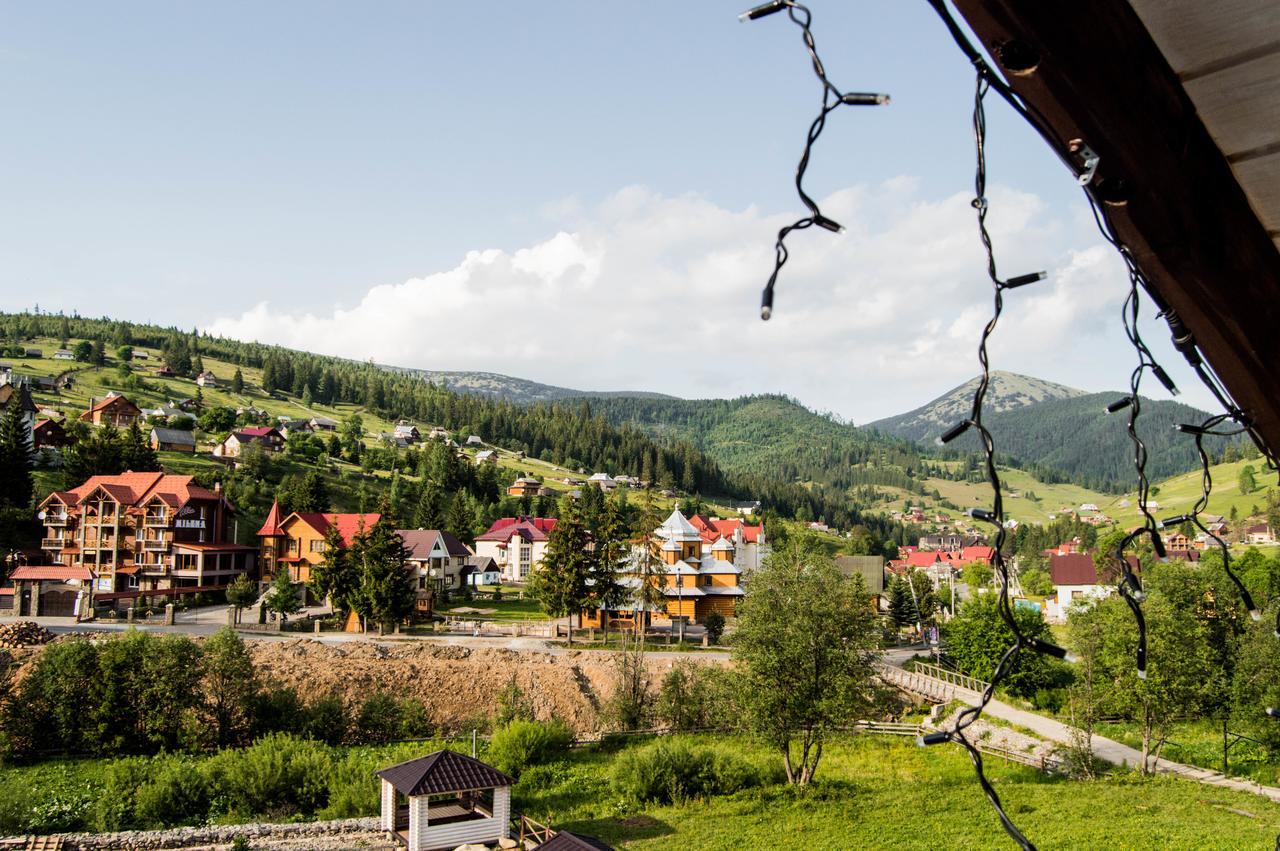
(775, 437)
(496, 386)
(1007, 391)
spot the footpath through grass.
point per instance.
(872, 792)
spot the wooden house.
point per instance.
(296, 542)
(116, 410)
(172, 440)
(49, 433)
(207, 379)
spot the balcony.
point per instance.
(52, 543)
(152, 546)
(155, 520)
(55, 520)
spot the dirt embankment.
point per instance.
(457, 684)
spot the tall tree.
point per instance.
(560, 584)
(16, 483)
(282, 597)
(137, 452)
(809, 672)
(237, 381)
(386, 592)
(227, 679)
(337, 577)
(611, 556)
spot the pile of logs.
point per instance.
(23, 634)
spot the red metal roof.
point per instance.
(136, 489)
(349, 525)
(1073, 569)
(271, 526)
(529, 528)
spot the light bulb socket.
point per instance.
(863, 99)
(763, 10)
(1023, 280)
(1271, 712)
(981, 514)
(1255, 614)
(766, 304)
(827, 224)
(935, 738)
(1164, 378)
(1119, 405)
(1176, 520)
(1188, 428)
(954, 432)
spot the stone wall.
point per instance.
(306, 834)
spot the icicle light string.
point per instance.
(1199, 433)
(832, 99)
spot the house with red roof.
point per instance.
(268, 437)
(1075, 579)
(516, 545)
(115, 538)
(749, 543)
(296, 543)
(1260, 533)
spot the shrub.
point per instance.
(115, 807)
(513, 704)
(326, 720)
(277, 774)
(378, 721)
(415, 719)
(714, 624)
(671, 771)
(277, 711)
(178, 794)
(524, 743)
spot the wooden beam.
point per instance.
(1100, 78)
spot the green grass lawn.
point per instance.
(1199, 742)
(871, 792)
(506, 609)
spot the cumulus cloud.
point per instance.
(652, 292)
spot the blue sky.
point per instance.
(309, 173)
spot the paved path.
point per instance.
(1105, 749)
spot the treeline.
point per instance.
(566, 434)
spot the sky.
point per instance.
(579, 193)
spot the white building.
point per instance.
(516, 545)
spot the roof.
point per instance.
(323, 421)
(271, 526)
(106, 403)
(1073, 569)
(986, 554)
(421, 542)
(54, 572)
(136, 489)
(349, 525)
(24, 397)
(441, 772)
(721, 545)
(677, 528)
(174, 435)
(922, 559)
(256, 431)
(1259, 529)
(529, 528)
(566, 841)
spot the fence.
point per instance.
(953, 678)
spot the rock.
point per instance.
(508, 842)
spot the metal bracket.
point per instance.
(1085, 160)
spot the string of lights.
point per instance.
(832, 99)
(1083, 163)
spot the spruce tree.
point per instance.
(386, 592)
(16, 484)
(429, 513)
(335, 579)
(237, 382)
(560, 584)
(137, 452)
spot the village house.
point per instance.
(407, 431)
(486, 456)
(289, 427)
(516, 545)
(748, 508)
(323, 424)
(207, 379)
(34, 353)
(1260, 533)
(114, 409)
(527, 486)
(172, 440)
(267, 437)
(474, 440)
(141, 354)
(296, 543)
(438, 561)
(116, 537)
(603, 481)
(64, 354)
(49, 433)
(437, 433)
(1075, 579)
(169, 412)
(164, 371)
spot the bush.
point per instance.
(714, 624)
(177, 795)
(378, 721)
(524, 743)
(326, 720)
(278, 774)
(277, 711)
(669, 771)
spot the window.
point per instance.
(317, 546)
(293, 546)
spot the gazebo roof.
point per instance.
(566, 841)
(441, 772)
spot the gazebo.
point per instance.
(443, 800)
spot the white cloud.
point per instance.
(651, 292)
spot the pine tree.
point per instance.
(237, 382)
(429, 513)
(560, 584)
(386, 592)
(612, 551)
(137, 452)
(99, 356)
(460, 519)
(901, 610)
(16, 483)
(335, 579)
